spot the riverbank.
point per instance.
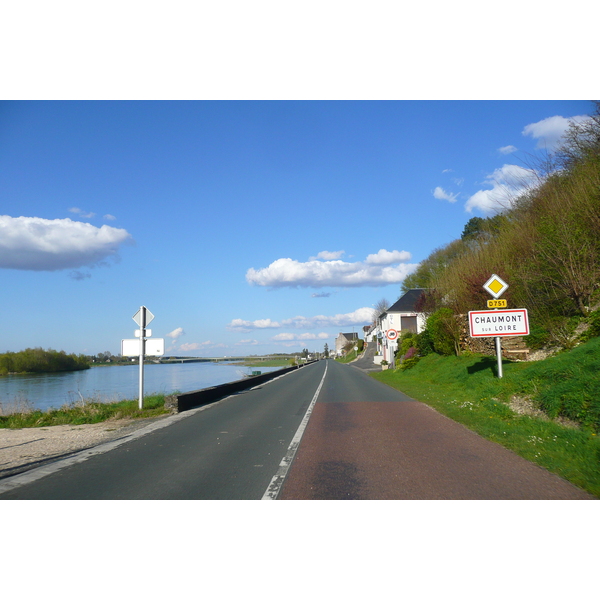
(85, 412)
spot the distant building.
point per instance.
(401, 316)
(342, 339)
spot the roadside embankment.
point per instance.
(546, 412)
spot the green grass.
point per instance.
(467, 390)
(349, 357)
(86, 412)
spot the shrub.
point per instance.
(409, 363)
(411, 352)
(538, 337)
(594, 326)
(407, 340)
(443, 327)
(425, 342)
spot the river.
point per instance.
(107, 384)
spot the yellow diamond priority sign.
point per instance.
(495, 286)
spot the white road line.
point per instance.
(284, 466)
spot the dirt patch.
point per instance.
(22, 449)
(522, 405)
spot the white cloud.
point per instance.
(325, 255)
(288, 337)
(442, 194)
(176, 333)
(35, 244)
(82, 213)
(508, 182)
(109, 217)
(258, 324)
(549, 131)
(199, 346)
(361, 316)
(507, 149)
(192, 346)
(285, 272)
(385, 257)
(247, 343)
(281, 337)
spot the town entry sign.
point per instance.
(498, 323)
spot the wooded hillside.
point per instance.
(545, 244)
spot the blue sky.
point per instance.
(246, 227)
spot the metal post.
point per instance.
(142, 352)
(499, 355)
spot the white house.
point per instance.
(401, 316)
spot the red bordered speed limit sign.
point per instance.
(392, 334)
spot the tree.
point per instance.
(326, 351)
(380, 307)
(566, 248)
(472, 228)
(433, 266)
(581, 141)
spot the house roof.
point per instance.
(350, 336)
(408, 302)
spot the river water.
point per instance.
(107, 384)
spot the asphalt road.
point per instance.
(363, 440)
(230, 450)
(366, 441)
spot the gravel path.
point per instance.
(24, 449)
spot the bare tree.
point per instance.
(380, 307)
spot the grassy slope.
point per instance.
(467, 390)
(349, 357)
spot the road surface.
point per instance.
(326, 431)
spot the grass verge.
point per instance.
(467, 390)
(86, 412)
(352, 355)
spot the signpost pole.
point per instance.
(155, 347)
(499, 355)
(142, 352)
